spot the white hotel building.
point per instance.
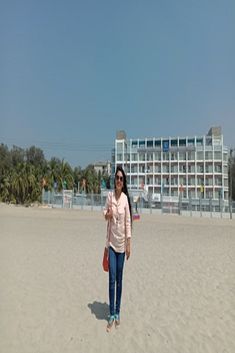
(195, 166)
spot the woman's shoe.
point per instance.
(117, 320)
(110, 323)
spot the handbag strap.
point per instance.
(109, 223)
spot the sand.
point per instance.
(178, 285)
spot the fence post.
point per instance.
(190, 205)
(200, 204)
(180, 203)
(162, 202)
(43, 191)
(221, 206)
(210, 201)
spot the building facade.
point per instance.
(102, 167)
(195, 167)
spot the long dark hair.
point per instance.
(124, 188)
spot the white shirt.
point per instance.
(119, 227)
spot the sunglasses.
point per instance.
(119, 178)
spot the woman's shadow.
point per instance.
(100, 310)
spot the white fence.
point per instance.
(164, 204)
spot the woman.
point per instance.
(118, 213)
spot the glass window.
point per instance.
(174, 143)
(218, 155)
(225, 156)
(208, 155)
(149, 156)
(174, 168)
(174, 156)
(158, 143)
(157, 156)
(119, 147)
(150, 143)
(182, 156)
(218, 168)
(165, 168)
(134, 168)
(200, 181)
(199, 155)
(119, 157)
(191, 142)
(182, 142)
(199, 141)
(165, 156)
(209, 168)
(191, 156)
(158, 168)
(134, 157)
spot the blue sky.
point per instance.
(72, 73)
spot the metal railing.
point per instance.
(181, 206)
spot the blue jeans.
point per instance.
(116, 263)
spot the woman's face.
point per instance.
(119, 181)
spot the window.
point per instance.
(200, 168)
(150, 143)
(158, 168)
(134, 143)
(218, 168)
(209, 181)
(149, 156)
(217, 155)
(174, 168)
(119, 157)
(157, 156)
(134, 157)
(199, 155)
(174, 156)
(119, 147)
(182, 168)
(174, 143)
(191, 142)
(199, 141)
(209, 168)
(182, 156)
(134, 168)
(191, 156)
(182, 142)
(166, 168)
(208, 155)
(165, 156)
(158, 143)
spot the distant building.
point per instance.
(195, 166)
(102, 167)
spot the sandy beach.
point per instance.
(178, 289)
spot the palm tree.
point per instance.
(65, 175)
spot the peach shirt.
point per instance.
(119, 228)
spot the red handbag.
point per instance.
(106, 251)
(106, 260)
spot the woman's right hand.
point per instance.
(109, 214)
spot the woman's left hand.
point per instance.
(128, 250)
